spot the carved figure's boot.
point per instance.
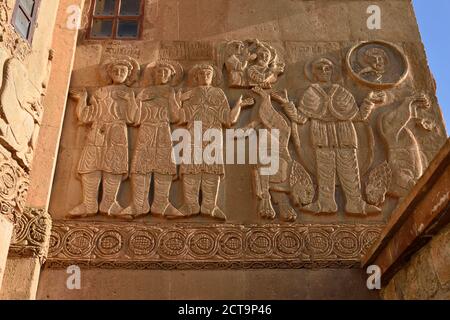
(265, 208)
(191, 193)
(348, 171)
(109, 204)
(326, 176)
(140, 186)
(210, 188)
(161, 204)
(287, 213)
(89, 207)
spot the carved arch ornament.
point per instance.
(314, 168)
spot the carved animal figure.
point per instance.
(378, 184)
(21, 112)
(404, 155)
(291, 182)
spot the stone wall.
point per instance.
(25, 67)
(198, 251)
(33, 97)
(427, 274)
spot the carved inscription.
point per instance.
(115, 49)
(179, 50)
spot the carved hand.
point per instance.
(242, 103)
(278, 68)
(126, 95)
(377, 97)
(176, 97)
(252, 56)
(282, 98)
(261, 92)
(184, 96)
(78, 94)
(421, 100)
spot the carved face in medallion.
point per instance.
(377, 64)
(322, 70)
(377, 59)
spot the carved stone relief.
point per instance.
(32, 235)
(405, 158)
(199, 246)
(332, 111)
(347, 151)
(20, 98)
(209, 106)
(292, 182)
(187, 51)
(252, 63)
(153, 154)
(22, 111)
(377, 64)
(14, 183)
(104, 159)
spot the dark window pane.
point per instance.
(22, 23)
(128, 29)
(27, 6)
(130, 8)
(102, 28)
(105, 8)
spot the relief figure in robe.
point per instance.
(237, 62)
(104, 158)
(267, 69)
(332, 111)
(153, 151)
(207, 105)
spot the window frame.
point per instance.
(32, 19)
(115, 22)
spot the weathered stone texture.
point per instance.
(426, 275)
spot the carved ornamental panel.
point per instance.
(21, 112)
(333, 136)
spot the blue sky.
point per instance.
(433, 17)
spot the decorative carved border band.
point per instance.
(31, 234)
(14, 183)
(200, 246)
